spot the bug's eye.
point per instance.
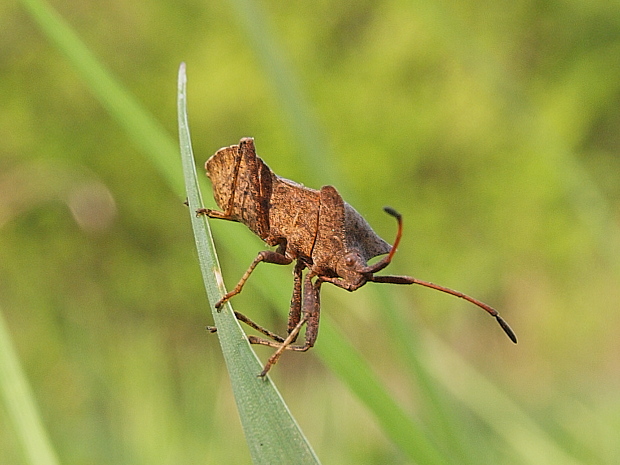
(350, 261)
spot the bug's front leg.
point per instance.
(215, 214)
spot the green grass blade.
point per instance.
(272, 434)
(21, 406)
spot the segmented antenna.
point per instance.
(410, 280)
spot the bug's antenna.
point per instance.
(410, 280)
(399, 232)
(507, 329)
(386, 260)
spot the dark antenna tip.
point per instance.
(490, 310)
(391, 211)
(507, 329)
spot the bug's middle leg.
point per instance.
(266, 256)
(278, 257)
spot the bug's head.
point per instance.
(352, 266)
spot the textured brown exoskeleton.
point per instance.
(317, 229)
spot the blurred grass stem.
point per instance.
(21, 405)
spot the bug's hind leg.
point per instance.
(281, 346)
(311, 311)
(294, 314)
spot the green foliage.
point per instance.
(491, 127)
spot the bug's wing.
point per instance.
(221, 168)
(361, 236)
(294, 216)
(343, 229)
(330, 244)
(242, 185)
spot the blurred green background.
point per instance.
(491, 126)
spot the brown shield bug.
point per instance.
(317, 230)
